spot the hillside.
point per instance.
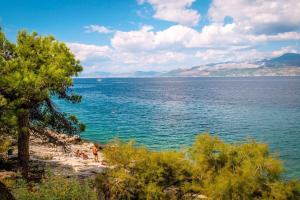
(289, 59)
(285, 65)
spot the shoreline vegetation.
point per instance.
(46, 165)
(209, 169)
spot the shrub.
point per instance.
(54, 188)
(138, 173)
(209, 169)
(5, 144)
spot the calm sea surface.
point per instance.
(165, 113)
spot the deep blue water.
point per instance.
(167, 113)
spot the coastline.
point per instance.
(45, 155)
(66, 163)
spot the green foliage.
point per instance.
(210, 168)
(5, 143)
(234, 171)
(31, 71)
(7, 117)
(141, 174)
(54, 188)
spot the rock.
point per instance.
(201, 196)
(171, 192)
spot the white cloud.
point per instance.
(178, 36)
(156, 58)
(100, 57)
(258, 16)
(134, 40)
(177, 11)
(86, 51)
(174, 36)
(216, 36)
(277, 37)
(284, 50)
(231, 54)
(98, 29)
(146, 39)
(256, 23)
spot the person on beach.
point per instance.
(85, 156)
(78, 153)
(95, 152)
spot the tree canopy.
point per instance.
(32, 71)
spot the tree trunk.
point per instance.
(23, 141)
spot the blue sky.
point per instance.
(159, 35)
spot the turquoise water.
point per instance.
(165, 113)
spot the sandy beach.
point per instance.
(67, 163)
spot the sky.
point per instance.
(122, 36)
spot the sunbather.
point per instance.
(84, 156)
(78, 153)
(95, 152)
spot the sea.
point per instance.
(167, 113)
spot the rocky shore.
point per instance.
(61, 160)
(66, 162)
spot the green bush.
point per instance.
(140, 174)
(209, 169)
(54, 188)
(5, 144)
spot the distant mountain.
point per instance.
(146, 74)
(285, 65)
(97, 74)
(137, 74)
(289, 59)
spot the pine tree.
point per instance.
(32, 71)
